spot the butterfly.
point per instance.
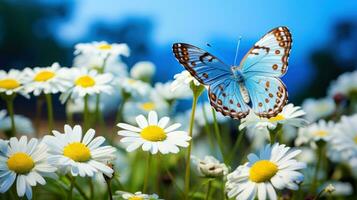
(253, 85)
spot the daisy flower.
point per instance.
(346, 85)
(274, 168)
(23, 125)
(86, 82)
(183, 79)
(135, 88)
(83, 156)
(12, 82)
(344, 139)
(48, 80)
(25, 162)
(143, 70)
(164, 90)
(210, 167)
(290, 115)
(321, 130)
(153, 135)
(136, 196)
(102, 49)
(318, 108)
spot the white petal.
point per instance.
(153, 118)
(163, 122)
(172, 127)
(129, 127)
(21, 185)
(141, 121)
(88, 136)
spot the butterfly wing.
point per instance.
(265, 62)
(268, 95)
(269, 56)
(224, 92)
(226, 97)
(202, 65)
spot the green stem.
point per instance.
(208, 189)
(236, 146)
(70, 191)
(49, 112)
(189, 148)
(91, 188)
(275, 133)
(80, 190)
(10, 109)
(317, 167)
(85, 113)
(218, 135)
(147, 174)
(110, 193)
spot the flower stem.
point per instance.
(109, 189)
(146, 178)
(49, 111)
(10, 109)
(317, 167)
(189, 148)
(275, 133)
(85, 113)
(218, 135)
(208, 189)
(70, 191)
(236, 146)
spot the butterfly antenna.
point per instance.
(237, 49)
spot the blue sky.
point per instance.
(199, 22)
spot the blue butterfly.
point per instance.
(255, 83)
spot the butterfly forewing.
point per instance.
(269, 56)
(202, 65)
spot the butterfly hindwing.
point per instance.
(269, 56)
(202, 65)
(226, 98)
(268, 95)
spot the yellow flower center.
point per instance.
(105, 47)
(44, 76)
(262, 171)
(147, 106)
(85, 81)
(21, 163)
(77, 151)
(321, 133)
(355, 139)
(9, 83)
(135, 198)
(277, 118)
(153, 133)
(132, 81)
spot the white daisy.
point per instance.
(320, 130)
(183, 79)
(113, 65)
(290, 115)
(136, 196)
(25, 162)
(346, 84)
(318, 108)
(86, 82)
(143, 70)
(133, 87)
(102, 49)
(48, 80)
(343, 142)
(153, 135)
(143, 106)
(23, 125)
(164, 90)
(12, 82)
(83, 156)
(339, 188)
(210, 167)
(274, 167)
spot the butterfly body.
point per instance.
(253, 85)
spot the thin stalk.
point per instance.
(275, 133)
(236, 146)
(317, 167)
(189, 148)
(85, 113)
(10, 109)
(49, 112)
(80, 190)
(146, 178)
(91, 188)
(110, 193)
(218, 135)
(208, 189)
(70, 191)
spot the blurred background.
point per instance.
(39, 32)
